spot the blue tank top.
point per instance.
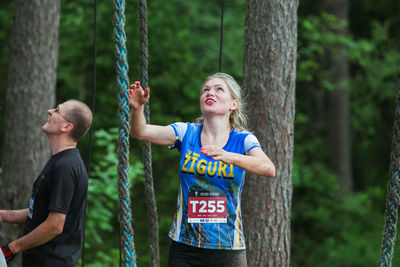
(208, 213)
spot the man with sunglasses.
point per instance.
(53, 230)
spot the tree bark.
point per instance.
(269, 78)
(30, 93)
(339, 103)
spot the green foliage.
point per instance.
(183, 50)
(184, 39)
(75, 71)
(318, 38)
(373, 94)
(330, 228)
(372, 89)
(102, 207)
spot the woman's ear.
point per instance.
(235, 104)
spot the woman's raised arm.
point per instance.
(160, 135)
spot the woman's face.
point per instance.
(216, 98)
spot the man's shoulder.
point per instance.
(69, 164)
(69, 157)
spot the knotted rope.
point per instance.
(126, 230)
(392, 200)
(147, 160)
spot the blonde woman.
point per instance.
(215, 152)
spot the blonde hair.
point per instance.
(237, 119)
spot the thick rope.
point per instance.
(392, 200)
(126, 229)
(147, 160)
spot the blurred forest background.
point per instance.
(335, 222)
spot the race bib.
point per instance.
(31, 203)
(207, 207)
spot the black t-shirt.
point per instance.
(61, 187)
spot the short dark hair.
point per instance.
(80, 115)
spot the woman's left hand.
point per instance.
(217, 153)
(255, 161)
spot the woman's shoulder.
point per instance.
(242, 132)
(187, 124)
(245, 136)
(193, 125)
(182, 127)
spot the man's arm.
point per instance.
(50, 228)
(14, 216)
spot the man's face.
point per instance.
(57, 120)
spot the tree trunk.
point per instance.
(339, 115)
(30, 93)
(269, 78)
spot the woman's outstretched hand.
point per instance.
(138, 97)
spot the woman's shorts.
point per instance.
(181, 255)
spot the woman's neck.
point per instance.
(215, 132)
